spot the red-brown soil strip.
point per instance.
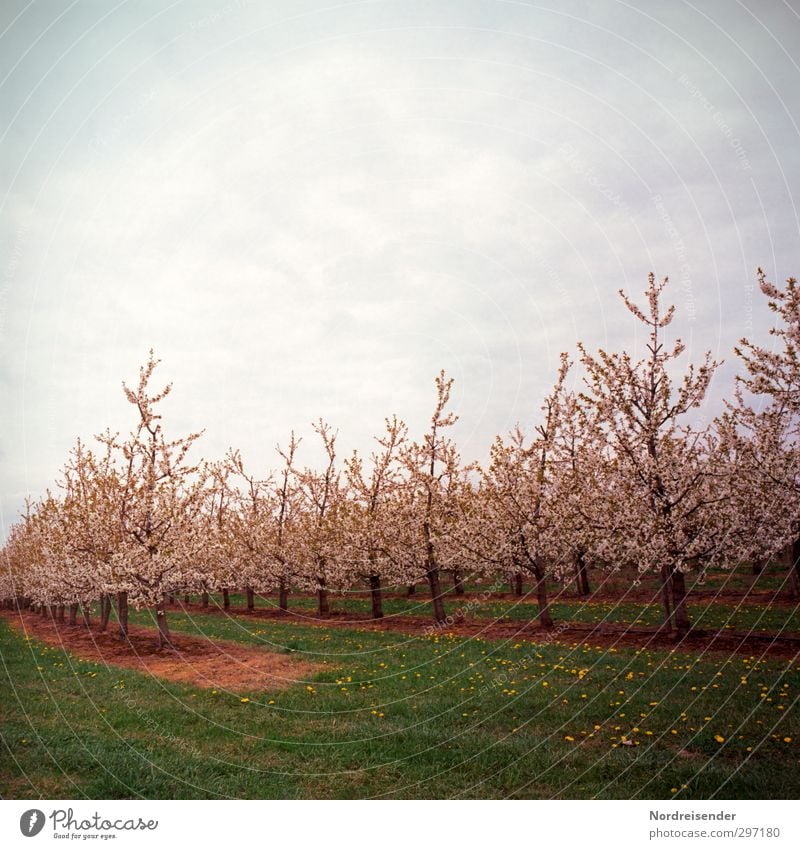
(728, 642)
(635, 595)
(193, 660)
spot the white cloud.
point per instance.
(311, 218)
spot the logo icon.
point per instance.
(31, 822)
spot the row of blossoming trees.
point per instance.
(616, 476)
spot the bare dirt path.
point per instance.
(194, 660)
(729, 642)
(635, 595)
(240, 668)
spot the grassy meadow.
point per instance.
(405, 716)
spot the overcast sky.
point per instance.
(309, 208)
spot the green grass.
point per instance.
(705, 614)
(395, 715)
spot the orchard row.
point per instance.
(616, 476)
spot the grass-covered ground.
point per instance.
(705, 614)
(404, 716)
(733, 600)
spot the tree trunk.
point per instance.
(581, 574)
(73, 615)
(322, 596)
(105, 611)
(226, 599)
(545, 619)
(204, 599)
(434, 583)
(432, 574)
(411, 589)
(186, 598)
(458, 582)
(680, 614)
(757, 567)
(164, 636)
(794, 569)
(171, 599)
(251, 598)
(60, 613)
(85, 611)
(666, 604)
(283, 596)
(122, 614)
(377, 599)
(517, 583)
